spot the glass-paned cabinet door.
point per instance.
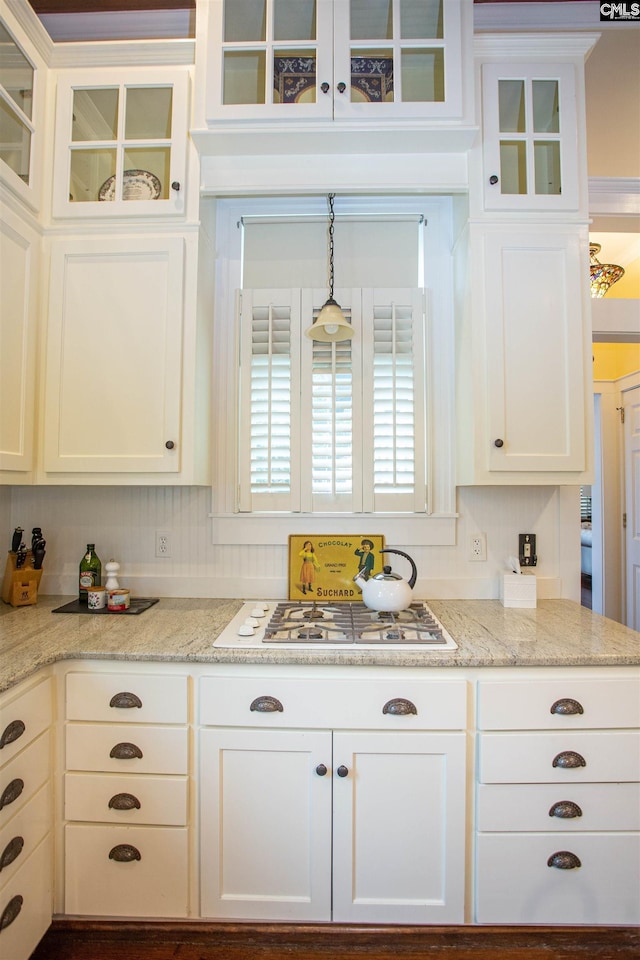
(397, 58)
(17, 77)
(271, 58)
(121, 146)
(530, 157)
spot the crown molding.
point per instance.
(508, 46)
(120, 53)
(524, 16)
(614, 196)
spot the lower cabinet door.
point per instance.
(574, 879)
(25, 905)
(126, 871)
(265, 824)
(399, 827)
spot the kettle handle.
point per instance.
(414, 572)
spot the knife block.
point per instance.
(20, 587)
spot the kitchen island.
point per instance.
(506, 771)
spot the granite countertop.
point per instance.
(555, 633)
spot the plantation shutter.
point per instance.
(269, 407)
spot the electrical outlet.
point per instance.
(163, 543)
(478, 547)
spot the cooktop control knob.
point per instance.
(245, 630)
(251, 622)
(258, 611)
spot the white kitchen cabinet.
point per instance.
(126, 796)
(334, 60)
(19, 274)
(276, 773)
(26, 859)
(123, 399)
(121, 142)
(523, 411)
(558, 800)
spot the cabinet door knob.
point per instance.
(565, 810)
(125, 700)
(342, 771)
(124, 801)
(11, 911)
(399, 707)
(569, 760)
(493, 179)
(566, 707)
(498, 443)
(324, 87)
(125, 853)
(169, 444)
(321, 770)
(564, 860)
(11, 792)
(342, 87)
(11, 852)
(175, 185)
(267, 705)
(13, 731)
(125, 751)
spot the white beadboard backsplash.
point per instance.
(122, 522)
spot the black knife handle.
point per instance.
(16, 540)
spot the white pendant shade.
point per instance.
(330, 324)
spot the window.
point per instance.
(16, 107)
(307, 431)
(332, 426)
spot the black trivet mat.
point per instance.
(138, 605)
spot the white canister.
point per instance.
(97, 598)
(119, 600)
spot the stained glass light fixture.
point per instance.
(330, 324)
(603, 275)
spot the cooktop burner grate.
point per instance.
(309, 622)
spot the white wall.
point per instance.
(122, 522)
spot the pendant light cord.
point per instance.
(331, 219)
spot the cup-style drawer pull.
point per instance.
(564, 860)
(11, 911)
(125, 853)
(569, 760)
(126, 751)
(565, 810)
(13, 731)
(124, 801)
(400, 707)
(125, 700)
(11, 792)
(566, 707)
(11, 852)
(267, 705)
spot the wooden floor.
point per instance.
(84, 940)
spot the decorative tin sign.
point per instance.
(322, 567)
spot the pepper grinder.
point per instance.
(112, 579)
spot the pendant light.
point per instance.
(603, 275)
(331, 324)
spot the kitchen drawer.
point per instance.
(28, 898)
(515, 884)
(558, 704)
(541, 757)
(151, 880)
(127, 698)
(23, 718)
(394, 704)
(26, 773)
(108, 798)
(544, 807)
(23, 832)
(146, 749)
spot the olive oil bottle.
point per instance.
(90, 572)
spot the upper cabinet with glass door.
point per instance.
(17, 76)
(530, 137)
(335, 59)
(120, 144)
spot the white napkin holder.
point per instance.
(518, 590)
